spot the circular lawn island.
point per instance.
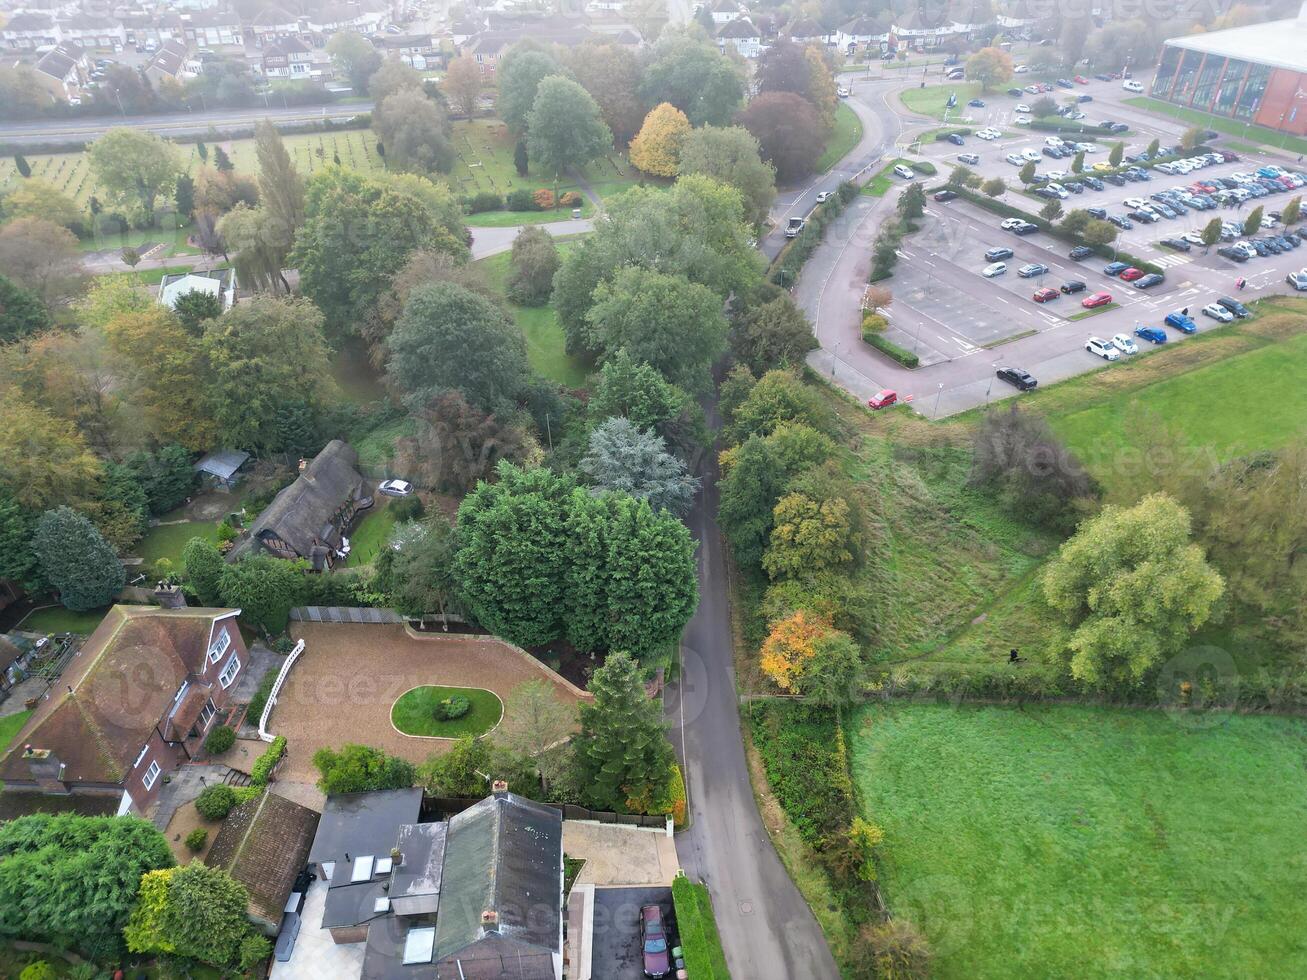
(446, 712)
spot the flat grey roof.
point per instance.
(222, 463)
(359, 824)
(1277, 43)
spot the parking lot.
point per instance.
(616, 953)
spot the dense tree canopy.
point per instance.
(611, 74)
(193, 911)
(731, 155)
(690, 73)
(622, 457)
(361, 769)
(415, 132)
(789, 130)
(132, 168)
(519, 74)
(76, 560)
(657, 148)
(565, 128)
(21, 312)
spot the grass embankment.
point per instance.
(1231, 127)
(1074, 841)
(697, 928)
(414, 712)
(844, 137)
(932, 100)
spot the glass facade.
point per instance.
(1208, 77)
(1166, 72)
(1184, 77)
(1231, 83)
(1253, 89)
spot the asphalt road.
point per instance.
(767, 930)
(617, 954)
(172, 124)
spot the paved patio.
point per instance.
(316, 953)
(617, 855)
(342, 687)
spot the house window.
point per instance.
(230, 671)
(220, 644)
(144, 749)
(151, 775)
(206, 715)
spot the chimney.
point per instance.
(500, 788)
(489, 919)
(169, 596)
(46, 770)
(304, 464)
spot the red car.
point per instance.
(1045, 295)
(1131, 274)
(1096, 300)
(1081, 80)
(653, 942)
(883, 399)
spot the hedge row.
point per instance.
(802, 749)
(1002, 208)
(789, 262)
(1092, 133)
(261, 771)
(697, 928)
(521, 199)
(891, 349)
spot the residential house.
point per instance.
(264, 844)
(418, 51)
(861, 32)
(94, 31)
(479, 896)
(220, 469)
(288, 57)
(741, 35)
(134, 702)
(489, 45)
(921, 29)
(464, 30)
(168, 62)
(62, 71)
(216, 282)
(806, 30)
(309, 518)
(363, 16)
(213, 29)
(29, 31)
(272, 24)
(725, 11)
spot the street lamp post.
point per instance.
(937, 396)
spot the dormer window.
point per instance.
(221, 641)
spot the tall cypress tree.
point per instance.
(77, 560)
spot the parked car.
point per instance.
(1154, 335)
(883, 399)
(904, 171)
(395, 488)
(970, 159)
(998, 254)
(1080, 252)
(977, 103)
(944, 195)
(1019, 379)
(657, 957)
(1218, 312)
(1235, 307)
(1045, 295)
(1102, 348)
(1096, 300)
(1026, 228)
(1181, 321)
(1130, 85)
(1179, 244)
(842, 91)
(1232, 253)
(994, 269)
(1150, 280)
(793, 227)
(1115, 268)
(1298, 280)
(1131, 274)
(956, 139)
(1072, 286)
(1032, 269)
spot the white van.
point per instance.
(1130, 85)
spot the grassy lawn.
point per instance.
(57, 619)
(930, 101)
(546, 346)
(880, 184)
(414, 712)
(1074, 841)
(845, 136)
(11, 725)
(359, 381)
(1231, 127)
(376, 448)
(370, 536)
(697, 928)
(168, 540)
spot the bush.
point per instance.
(254, 949)
(196, 840)
(452, 707)
(570, 199)
(40, 970)
(261, 771)
(891, 349)
(924, 167)
(260, 697)
(873, 324)
(520, 200)
(407, 508)
(544, 199)
(220, 740)
(944, 134)
(802, 749)
(483, 201)
(215, 802)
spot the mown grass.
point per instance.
(370, 535)
(414, 712)
(168, 540)
(697, 928)
(10, 726)
(931, 100)
(1231, 127)
(844, 137)
(57, 619)
(1075, 841)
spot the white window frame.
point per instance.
(207, 714)
(140, 758)
(151, 774)
(234, 673)
(220, 645)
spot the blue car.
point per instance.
(1181, 322)
(1115, 268)
(1267, 172)
(1154, 335)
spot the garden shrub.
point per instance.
(254, 949)
(453, 707)
(219, 740)
(483, 201)
(215, 802)
(261, 771)
(544, 199)
(924, 167)
(570, 199)
(40, 970)
(196, 840)
(873, 324)
(891, 349)
(260, 698)
(520, 200)
(407, 508)
(802, 749)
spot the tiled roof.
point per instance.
(740, 28)
(30, 22)
(264, 844)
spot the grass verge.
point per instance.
(414, 712)
(843, 138)
(1231, 127)
(698, 930)
(57, 619)
(1083, 314)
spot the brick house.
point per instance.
(288, 57)
(134, 703)
(29, 31)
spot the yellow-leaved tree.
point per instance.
(791, 643)
(656, 149)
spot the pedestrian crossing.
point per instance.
(1170, 261)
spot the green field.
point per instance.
(413, 713)
(57, 619)
(1231, 127)
(370, 536)
(11, 725)
(930, 101)
(546, 347)
(845, 136)
(1080, 842)
(168, 540)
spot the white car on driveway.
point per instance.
(1124, 344)
(395, 488)
(1100, 347)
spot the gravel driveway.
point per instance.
(342, 687)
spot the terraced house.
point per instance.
(134, 703)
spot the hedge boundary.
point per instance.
(790, 260)
(700, 941)
(892, 350)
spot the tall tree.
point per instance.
(76, 560)
(192, 911)
(456, 444)
(463, 83)
(419, 569)
(611, 74)
(258, 245)
(416, 132)
(193, 309)
(36, 198)
(732, 155)
(264, 588)
(539, 723)
(202, 563)
(21, 312)
(565, 129)
(133, 167)
(789, 130)
(281, 190)
(533, 262)
(657, 148)
(451, 338)
(354, 57)
(519, 74)
(622, 751)
(44, 460)
(637, 391)
(990, 67)
(689, 72)
(43, 257)
(773, 334)
(622, 457)
(18, 561)
(1132, 587)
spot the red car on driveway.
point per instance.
(1045, 295)
(883, 399)
(1096, 300)
(657, 958)
(1131, 274)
